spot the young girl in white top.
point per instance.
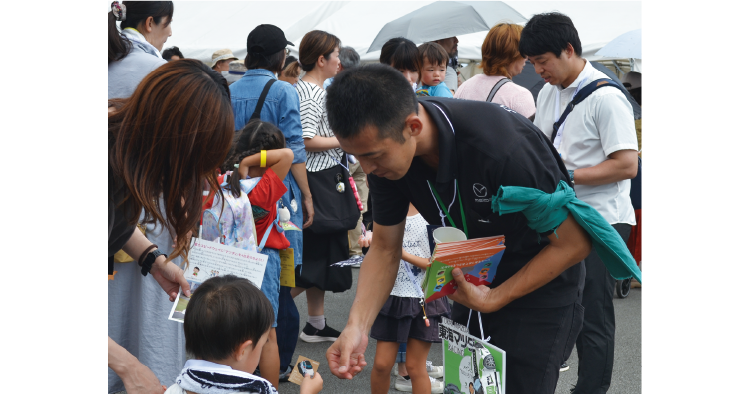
(402, 318)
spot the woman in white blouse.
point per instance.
(319, 57)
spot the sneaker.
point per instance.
(359, 258)
(564, 367)
(284, 376)
(311, 334)
(403, 383)
(434, 370)
(394, 372)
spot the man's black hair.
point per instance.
(223, 313)
(549, 32)
(173, 51)
(372, 95)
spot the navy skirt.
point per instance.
(402, 318)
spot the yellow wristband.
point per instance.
(262, 158)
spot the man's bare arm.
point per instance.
(380, 267)
(620, 165)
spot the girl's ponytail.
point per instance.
(234, 180)
(256, 136)
(119, 46)
(131, 14)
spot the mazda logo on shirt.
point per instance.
(480, 190)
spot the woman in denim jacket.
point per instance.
(266, 53)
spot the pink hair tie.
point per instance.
(118, 10)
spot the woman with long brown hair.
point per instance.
(161, 153)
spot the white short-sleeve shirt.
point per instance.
(597, 127)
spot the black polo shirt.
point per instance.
(492, 146)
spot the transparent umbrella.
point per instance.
(443, 19)
(624, 46)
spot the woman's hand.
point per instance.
(307, 210)
(136, 377)
(141, 380)
(170, 277)
(364, 240)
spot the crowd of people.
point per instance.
(352, 159)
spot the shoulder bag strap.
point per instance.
(582, 94)
(497, 87)
(262, 99)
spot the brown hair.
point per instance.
(500, 49)
(433, 53)
(292, 68)
(314, 44)
(166, 141)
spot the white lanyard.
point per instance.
(413, 279)
(559, 136)
(455, 187)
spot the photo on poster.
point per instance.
(472, 366)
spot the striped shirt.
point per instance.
(314, 119)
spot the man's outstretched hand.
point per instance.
(346, 357)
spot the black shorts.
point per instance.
(536, 342)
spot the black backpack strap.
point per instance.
(497, 87)
(582, 94)
(262, 99)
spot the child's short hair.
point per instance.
(224, 312)
(433, 53)
(254, 137)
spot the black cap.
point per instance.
(266, 40)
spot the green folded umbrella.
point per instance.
(546, 212)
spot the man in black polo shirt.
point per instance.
(467, 150)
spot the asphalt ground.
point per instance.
(626, 376)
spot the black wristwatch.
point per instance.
(149, 261)
(572, 181)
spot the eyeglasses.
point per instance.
(287, 51)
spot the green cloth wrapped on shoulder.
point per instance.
(546, 212)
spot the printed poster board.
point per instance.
(472, 366)
(209, 259)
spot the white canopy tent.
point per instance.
(202, 27)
